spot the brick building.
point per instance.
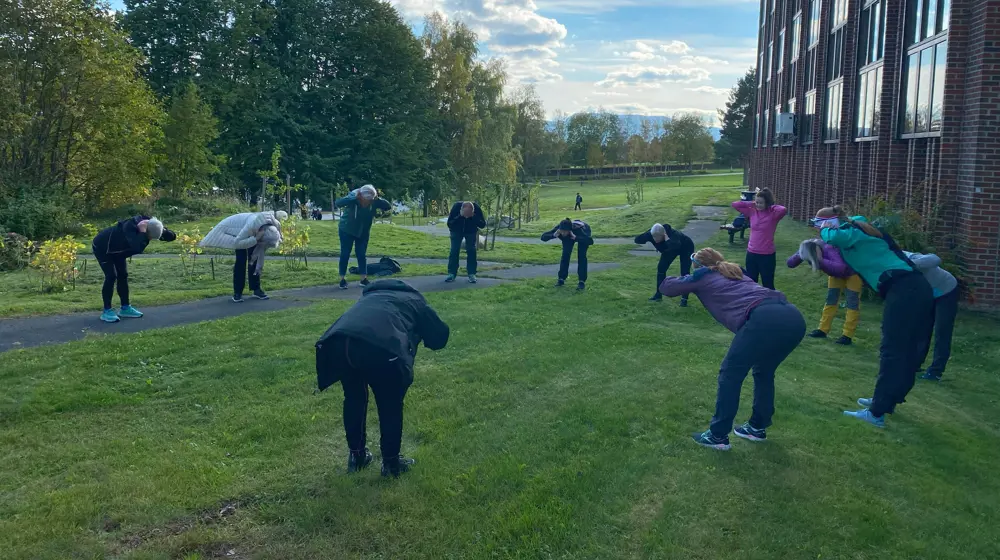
(864, 98)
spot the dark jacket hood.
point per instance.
(389, 286)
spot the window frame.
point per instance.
(869, 67)
(916, 44)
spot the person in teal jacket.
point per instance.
(908, 315)
(355, 228)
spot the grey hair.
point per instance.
(367, 192)
(658, 231)
(154, 228)
(807, 252)
(281, 215)
(270, 240)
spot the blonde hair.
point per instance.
(713, 260)
(838, 211)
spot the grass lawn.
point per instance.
(162, 281)
(554, 425)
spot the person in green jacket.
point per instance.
(355, 228)
(908, 315)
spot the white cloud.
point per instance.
(643, 47)
(597, 6)
(675, 47)
(709, 89)
(652, 76)
(701, 60)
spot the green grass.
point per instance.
(554, 425)
(161, 282)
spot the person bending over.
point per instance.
(250, 235)
(112, 248)
(827, 258)
(671, 244)
(572, 232)
(464, 222)
(946, 297)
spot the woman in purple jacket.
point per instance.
(767, 328)
(827, 258)
(764, 216)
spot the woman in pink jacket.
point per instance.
(764, 216)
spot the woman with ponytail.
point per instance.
(908, 313)
(767, 328)
(764, 216)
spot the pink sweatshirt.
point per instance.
(762, 226)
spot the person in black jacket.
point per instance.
(112, 247)
(671, 244)
(373, 344)
(570, 232)
(579, 202)
(464, 222)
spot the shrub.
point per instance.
(15, 250)
(36, 216)
(56, 261)
(295, 241)
(190, 250)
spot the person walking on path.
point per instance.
(250, 235)
(671, 244)
(355, 228)
(464, 222)
(579, 202)
(572, 232)
(764, 216)
(908, 313)
(767, 329)
(112, 247)
(946, 297)
(374, 344)
(827, 258)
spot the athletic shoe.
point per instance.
(706, 439)
(867, 403)
(817, 334)
(931, 376)
(843, 341)
(656, 297)
(237, 299)
(395, 466)
(450, 278)
(472, 279)
(130, 312)
(358, 460)
(109, 316)
(684, 302)
(581, 286)
(259, 294)
(364, 283)
(343, 284)
(866, 415)
(746, 431)
(560, 283)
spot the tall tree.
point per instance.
(691, 139)
(530, 134)
(188, 162)
(737, 122)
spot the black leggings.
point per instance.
(667, 259)
(115, 271)
(244, 267)
(761, 267)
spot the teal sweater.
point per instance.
(870, 257)
(357, 221)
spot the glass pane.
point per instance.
(877, 103)
(937, 103)
(944, 15)
(770, 55)
(872, 103)
(918, 21)
(930, 21)
(876, 36)
(910, 109)
(862, 123)
(924, 92)
(781, 50)
(796, 33)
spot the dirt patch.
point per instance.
(210, 516)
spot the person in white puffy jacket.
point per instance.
(250, 234)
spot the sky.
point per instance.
(644, 57)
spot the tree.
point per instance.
(530, 135)
(188, 162)
(691, 139)
(737, 121)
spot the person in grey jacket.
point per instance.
(250, 235)
(946, 296)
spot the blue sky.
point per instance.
(654, 57)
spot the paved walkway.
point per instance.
(58, 329)
(371, 259)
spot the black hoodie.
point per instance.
(390, 315)
(675, 242)
(124, 239)
(458, 223)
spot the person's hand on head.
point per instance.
(141, 226)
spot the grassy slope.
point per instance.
(554, 425)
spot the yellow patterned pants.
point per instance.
(834, 287)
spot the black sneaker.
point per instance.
(560, 283)
(581, 286)
(706, 439)
(343, 284)
(843, 341)
(656, 297)
(358, 460)
(237, 299)
(395, 466)
(364, 283)
(817, 334)
(684, 302)
(746, 431)
(928, 376)
(259, 294)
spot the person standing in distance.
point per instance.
(465, 220)
(764, 216)
(579, 202)
(671, 244)
(355, 228)
(374, 344)
(572, 232)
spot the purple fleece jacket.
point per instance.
(832, 263)
(728, 301)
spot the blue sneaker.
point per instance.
(866, 415)
(746, 431)
(130, 312)
(706, 439)
(109, 316)
(867, 403)
(450, 278)
(472, 279)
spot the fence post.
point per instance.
(211, 261)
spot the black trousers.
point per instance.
(470, 252)
(667, 259)
(761, 267)
(771, 333)
(578, 207)
(115, 272)
(907, 322)
(581, 259)
(945, 312)
(360, 246)
(244, 267)
(369, 366)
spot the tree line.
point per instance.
(251, 97)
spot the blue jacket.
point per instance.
(357, 221)
(875, 259)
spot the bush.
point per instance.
(175, 209)
(15, 250)
(36, 217)
(56, 261)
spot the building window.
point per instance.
(760, 69)
(793, 64)
(781, 51)
(926, 62)
(871, 36)
(869, 103)
(871, 51)
(777, 111)
(834, 97)
(770, 59)
(756, 130)
(814, 11)
(835, 70)
(796, 35)
(808, 117)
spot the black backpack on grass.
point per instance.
(384, 267)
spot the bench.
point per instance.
(733, 230)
